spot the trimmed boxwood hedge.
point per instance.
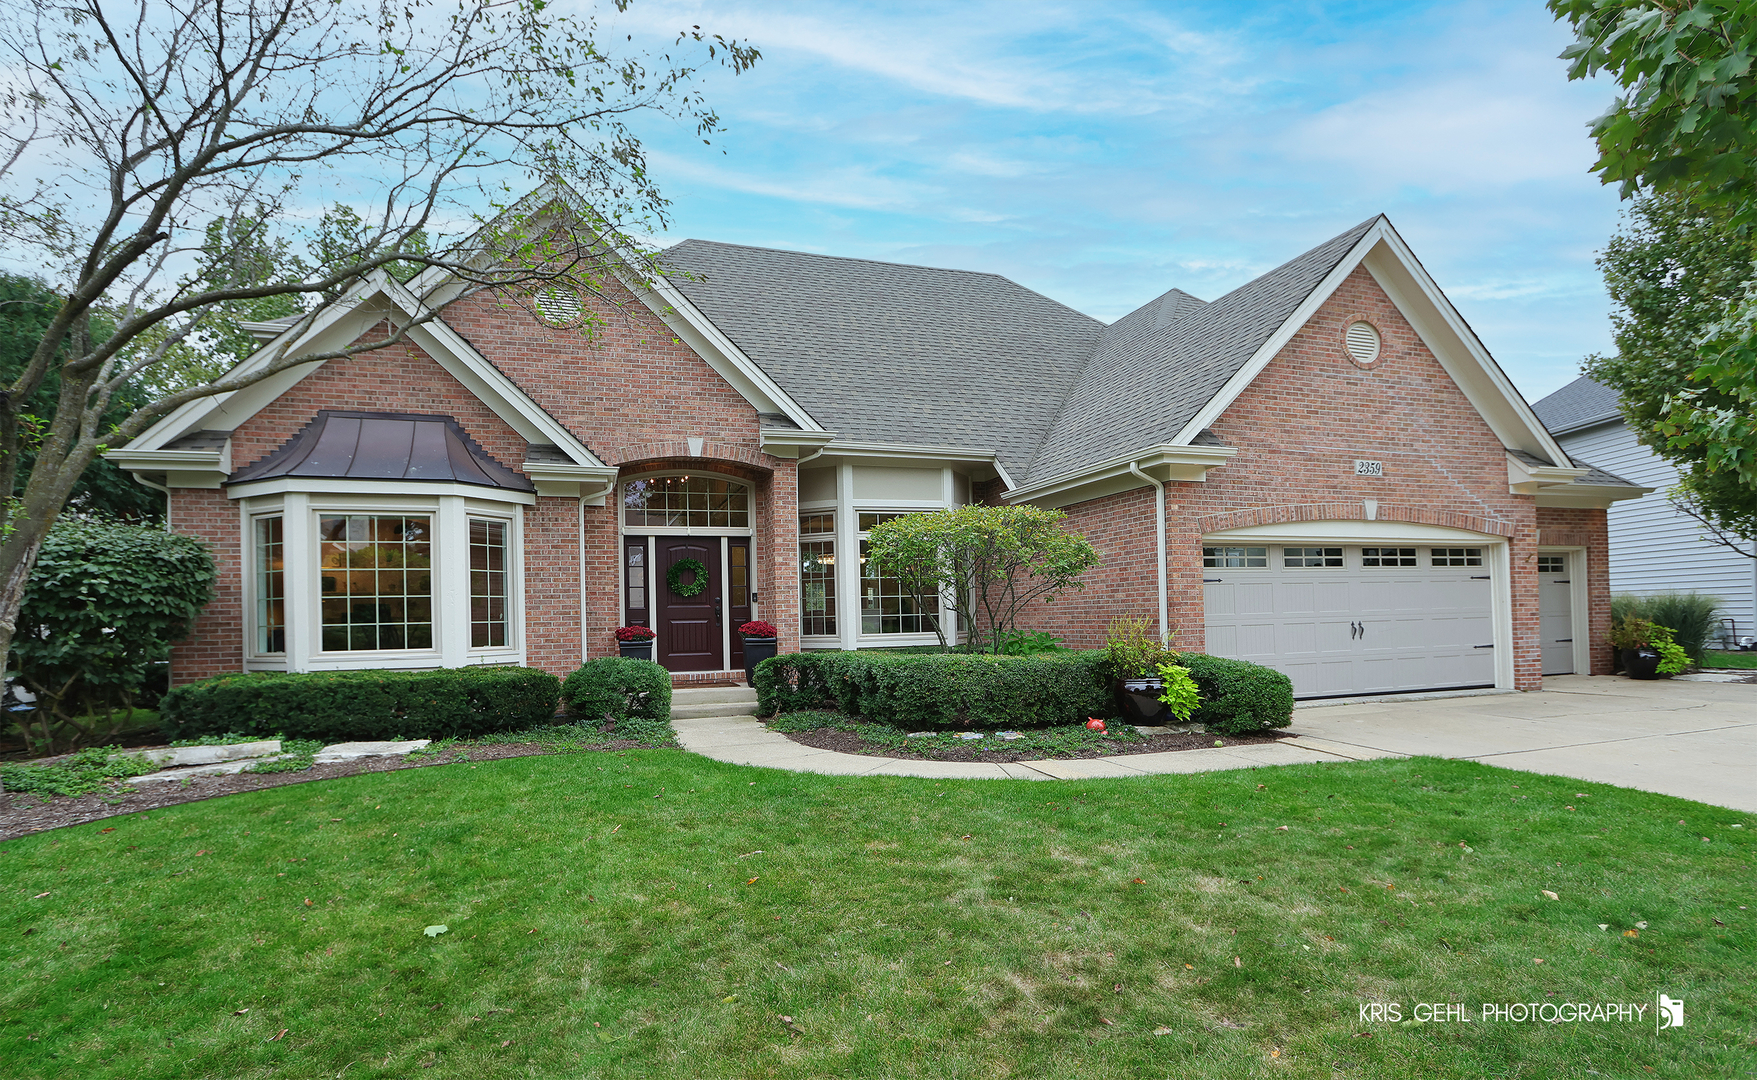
(939, 690)
(349, 706)
(955, 690)
(618, 688)
(1239, 697)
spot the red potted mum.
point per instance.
(635, 641)
(759, 644)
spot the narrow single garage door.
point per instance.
(1353, 619)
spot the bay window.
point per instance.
(817, 574)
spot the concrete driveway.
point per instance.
(1696, 740)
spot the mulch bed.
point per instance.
(23, 814)
(848, 742)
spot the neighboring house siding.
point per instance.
(1654, 547)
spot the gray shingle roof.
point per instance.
(1582, 403)
(884, 352)
(1596, 476)
(1152, 373)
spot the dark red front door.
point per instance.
(691, 628)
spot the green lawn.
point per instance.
(1712, 658)
(655, 914)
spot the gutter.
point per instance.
(1159, 536)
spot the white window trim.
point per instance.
(450, 509)
(624, 529)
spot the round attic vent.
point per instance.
(1363, 342)
(559, 305)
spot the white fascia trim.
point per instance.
(1220, 402)
(320, 485)
(699, 332)
(1589, 496)
(1526, 431)
(211, 412)
(1524, 478)
(788, 442)
(133, 460)
(1180, 463)
(917, 455)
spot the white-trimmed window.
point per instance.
(1242, 557)
(817, 574)
(358, 581)
(1384, 556)
(885, 607)
(1457, 556)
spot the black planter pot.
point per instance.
(639, 650)
(1137, 700)
(756, 650)
(1640, 663)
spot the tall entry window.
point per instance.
(376, 575)
(686, 502)
(817, 574)
(884, 606)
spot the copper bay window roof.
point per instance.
(384, 446)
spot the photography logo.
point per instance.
(1670, 1014)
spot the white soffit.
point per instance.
(1351, 532)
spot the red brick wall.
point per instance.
(1299, 427)
(1560, 527)
(635, 395)
(216, 645)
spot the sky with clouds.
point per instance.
(1102, 152)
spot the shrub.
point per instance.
(1689, 615)
(1239, 697)
(1027, 642)
(618, 688)
(101, 609)
(342, 706)
(939, 690)
(1132, 651)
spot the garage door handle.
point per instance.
(1484, 646)
(1206, 580)
(1479, 577)
(1564, 641)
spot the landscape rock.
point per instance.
(348, 751)
(173, 756)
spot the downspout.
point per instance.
(1159, 536)
(140, 478)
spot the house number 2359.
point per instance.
(1369, 468)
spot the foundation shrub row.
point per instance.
(956, 690)
(351, 706)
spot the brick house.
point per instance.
(1323, 470)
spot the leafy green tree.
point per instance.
(1671, 271)
(1686, 125)
(131, 125)
(27, 307)
(992, 562)
(104, 605)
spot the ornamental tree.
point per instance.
(991, 562)
(1686, 125)
(130, 126)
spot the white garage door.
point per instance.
(1342, 619)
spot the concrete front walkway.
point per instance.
(1695, 740)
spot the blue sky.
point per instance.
(1103, 152)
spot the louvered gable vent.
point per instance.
(1363, 342)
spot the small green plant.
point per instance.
(1690, 615)
(1633, 632)
(1180, 694)
(1133, 651)
(1027, 643)
(303, 752)
(77, 774)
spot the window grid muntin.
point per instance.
(884, 607)
(386, 563)
(1311, 557)
(868, 521)
(738, 567)
(490, 571)
(1235, 557)
(634, 564)
(817, 587)
(271, 586)
(686, 502)
(1552, 564)
(1458, 556)
(1388, 556)
(817, 524)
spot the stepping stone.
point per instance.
(969, 735)
(224, 768)
(1008, 736)
(348, 751)
(173, 756)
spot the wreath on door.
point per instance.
(674, 577)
